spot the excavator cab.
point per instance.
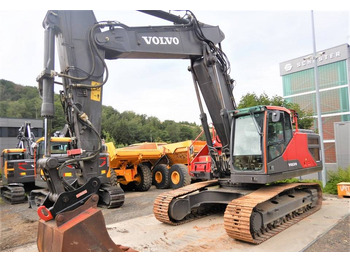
(17, 169)
(265, 146)
(58, 148)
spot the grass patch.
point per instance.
(335, 177)
(296, 180)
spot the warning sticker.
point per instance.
(95, 92)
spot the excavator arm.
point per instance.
(83, 44)
(83, 48)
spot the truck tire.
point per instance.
(144, 178)
(179, 176)
(161, 176)
(128, 187)
(113, 177)
(114, 182)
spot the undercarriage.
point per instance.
(251, 215)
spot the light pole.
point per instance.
(322, 176)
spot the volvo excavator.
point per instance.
(17, 166)
(258, 145)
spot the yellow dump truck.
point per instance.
(176, 158)
(139, 166)
(131, 166)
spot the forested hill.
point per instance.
(121, 128)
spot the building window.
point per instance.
(332, 101)
(330, 75)
(13, 132)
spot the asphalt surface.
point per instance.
(18, 227)
(336, 239)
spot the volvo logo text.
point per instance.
(161, 40)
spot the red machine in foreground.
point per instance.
(258, 145)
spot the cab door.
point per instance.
(279, 135)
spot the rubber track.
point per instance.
(13, 194)
(162, 202)
(238, 212)
(116, 196)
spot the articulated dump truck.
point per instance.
(131, 166)
(138, 166)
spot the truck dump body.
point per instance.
(183, 152)
(131, 164)
(134, 153)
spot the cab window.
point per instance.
(279, 133)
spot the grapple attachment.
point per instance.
(79, 230)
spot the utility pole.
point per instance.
(323, 175)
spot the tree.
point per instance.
(248, 100)
(251, 99)
(120, 128)
(305, 119)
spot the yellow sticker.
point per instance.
(95, 92)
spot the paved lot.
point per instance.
(208, 234)
(134, 225)
(335, 240)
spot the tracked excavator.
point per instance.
(258, 145)
(17, 166)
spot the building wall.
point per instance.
(9, 130)
(342, 143)
(299, 87)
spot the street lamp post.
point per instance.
(321, 176)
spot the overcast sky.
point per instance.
(257, 40)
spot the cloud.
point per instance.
(256, 42)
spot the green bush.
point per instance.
(335, 177)
(297, 180)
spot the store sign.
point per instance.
(324, 57)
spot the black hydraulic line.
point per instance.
(166, 16)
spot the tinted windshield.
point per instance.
(56, 148)
(247, 138)
(59, 148)
(15, 156)
(247, 154)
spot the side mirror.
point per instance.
(276, 115)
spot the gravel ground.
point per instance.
(18, 223)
